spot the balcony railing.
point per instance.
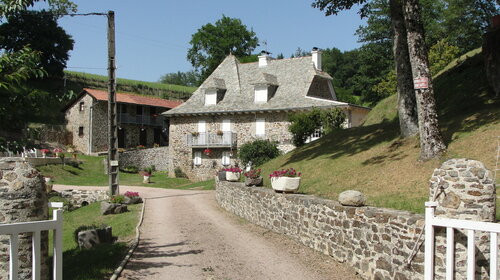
(126, 118)
(211, 140)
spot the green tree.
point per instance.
(303, 124)
(39, 30)
(213, 42)
(190, 78)
(441, 54)
(258, 152)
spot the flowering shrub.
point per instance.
(57, 150)
(131, 194)
(45, 151)
(140, 147)
(148, 171)
(290, 172)
(233, 169)
(253, 174)
(117, 199)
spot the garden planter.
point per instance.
(146, 179)
(253, 181)
(285, 184)
(232, 176)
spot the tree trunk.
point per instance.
(407, 106)
(431, 141)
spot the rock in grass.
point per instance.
(352, 198)
(112, 208)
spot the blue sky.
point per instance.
(152, 37)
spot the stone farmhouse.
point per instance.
(139, 119)
(240, 102)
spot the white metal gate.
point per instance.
(451, 224)
(13, 230)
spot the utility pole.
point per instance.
(112, 120)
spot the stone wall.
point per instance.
(22, 199)
(79, 198)
(464, 189)
(76, 118)
(142, 158)
(375, 241)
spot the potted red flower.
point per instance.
(253, 178)
(146, 173)
(285, 180)
(233, 174)
(45, 152)
(207, 152)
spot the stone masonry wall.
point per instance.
(244, 125)
(76, 118)
(142, 158)
(79, 198)
(375, 241)
(22, 199)
(465, 190)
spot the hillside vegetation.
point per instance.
(374, 160)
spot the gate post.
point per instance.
(463, 189)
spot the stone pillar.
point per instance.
(22, 199)
(465, 190)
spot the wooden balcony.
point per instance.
(125, 118)
(212, 140)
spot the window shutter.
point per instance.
(260, 127)
(197, 158)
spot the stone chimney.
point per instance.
(264, 59)
(316, 58)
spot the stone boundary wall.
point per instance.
(49, 160)
(375, 241)
(81, 198)
(142, 158)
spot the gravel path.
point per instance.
(186, 235)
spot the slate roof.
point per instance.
(129, 99)
(293, 77)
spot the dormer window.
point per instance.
(210, 97)
(214, 91)
(265, 86)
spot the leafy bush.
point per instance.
(179, 173)
(117, 199)
(130, 169)
(258, 152)
(303, 125)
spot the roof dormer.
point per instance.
(214, 90)
(265, 86)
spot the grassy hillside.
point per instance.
(149, 88)
(373, 159)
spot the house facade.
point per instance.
(139, 120)
(241, 102)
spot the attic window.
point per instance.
(264, 93)
(214, 96)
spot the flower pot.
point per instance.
(253, 181)
(232, 176)
(146, 179)
(285, 184)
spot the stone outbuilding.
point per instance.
(241, 102)
(139, 120)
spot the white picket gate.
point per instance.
(13, 230)
(451, 224)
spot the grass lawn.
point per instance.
(91, 173)
(374, 160)
(99, 262)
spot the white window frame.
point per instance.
(197, 158)
(226, 158)
(210, 97)
(261, 94)
(260, 127)
(226, 125)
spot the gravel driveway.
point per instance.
(186, 235)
